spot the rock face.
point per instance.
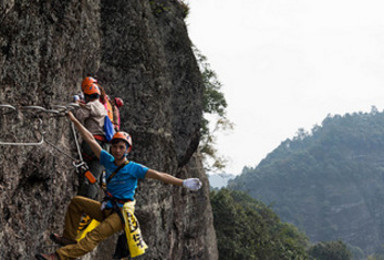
(139, 51)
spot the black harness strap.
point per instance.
(110, 197)
(116, 171)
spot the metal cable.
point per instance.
(59, 150)
(9, 107)
(59, 111)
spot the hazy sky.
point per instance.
(287, 64)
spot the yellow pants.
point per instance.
(110, 224)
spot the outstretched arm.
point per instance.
(87, 136)
(191, 183)
(164, 177)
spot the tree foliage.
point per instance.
(335, 250)
(215, 119)
(247, 229)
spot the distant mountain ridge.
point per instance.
(220, 180)
(330, 182)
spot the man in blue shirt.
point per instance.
(121, 178)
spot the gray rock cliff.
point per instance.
(139, 51)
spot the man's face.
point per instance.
(118, 149)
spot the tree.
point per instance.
(215, 119)
(247, 229)
(335, 250)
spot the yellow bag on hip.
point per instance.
(136, 244)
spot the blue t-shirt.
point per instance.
(124, 183)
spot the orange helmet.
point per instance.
(125, 137)
(87, 82)
(92, 89)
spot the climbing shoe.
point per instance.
(53, 256)
(61, 240)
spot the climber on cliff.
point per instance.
(111, 105)
(92, 114)
(122, 176)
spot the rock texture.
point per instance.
(140, 51)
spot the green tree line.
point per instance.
(248, 229)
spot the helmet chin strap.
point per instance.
(126, 152)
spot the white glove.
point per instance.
(76, 98)
(192, 184)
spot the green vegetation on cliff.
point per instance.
(335, 250)
(215, 118)
(247, 229)
(329, 182)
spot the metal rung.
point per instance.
(73, 106)
(29, 144)
(40, 109)
(60, 108)
(24, 144)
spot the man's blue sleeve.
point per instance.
(140, 171)
(106, 158)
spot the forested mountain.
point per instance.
(247, 229)
(329, 182)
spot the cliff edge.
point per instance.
(139, 51)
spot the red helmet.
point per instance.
(87, 82)
(92, 89)
(125, 137)
(119, 102)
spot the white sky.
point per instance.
(287, 64)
